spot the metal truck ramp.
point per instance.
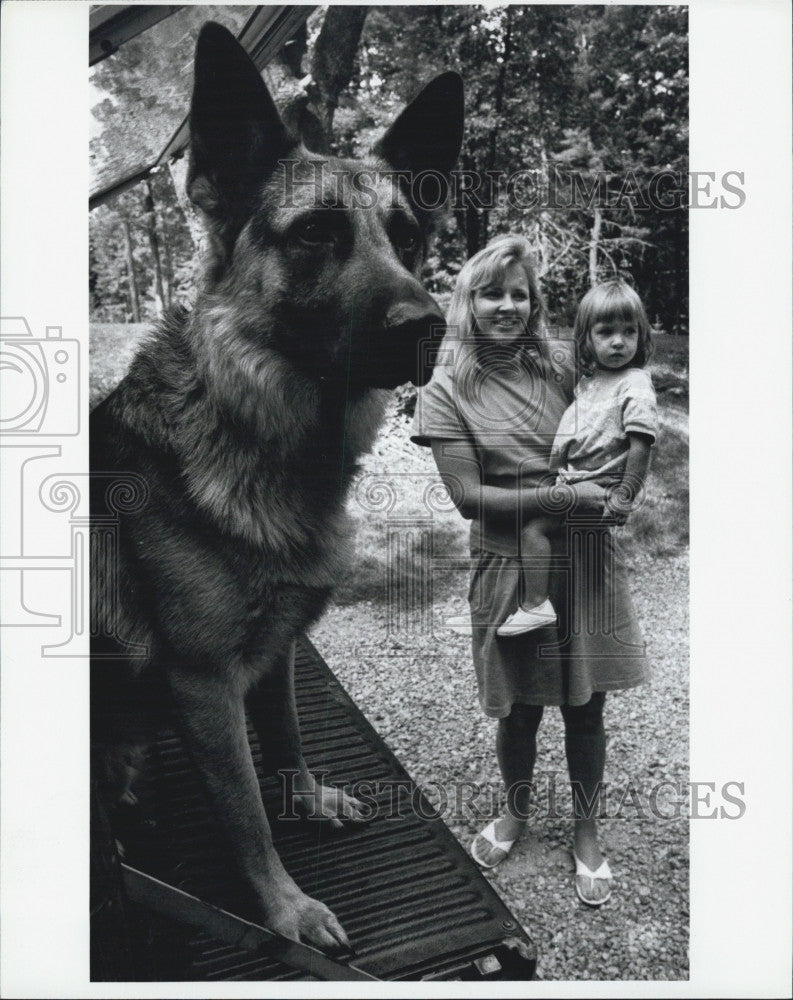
(412, 902)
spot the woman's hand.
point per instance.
(461, 472)
(589, 498)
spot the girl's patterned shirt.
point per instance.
(592, 438)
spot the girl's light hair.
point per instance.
(613, 300)
(484, 268)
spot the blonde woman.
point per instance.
(490, 414)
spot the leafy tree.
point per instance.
(630, 114)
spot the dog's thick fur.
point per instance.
(243, 422)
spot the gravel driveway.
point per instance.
(416, 686)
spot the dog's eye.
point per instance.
(319, 229)
(404, 234)
(312, 232)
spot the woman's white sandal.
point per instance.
(489, 834)
(602, 874)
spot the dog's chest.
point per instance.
(287, 503)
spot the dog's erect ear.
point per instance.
(428, 134)
(236, 134)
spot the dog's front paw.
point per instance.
(302, 918)
(333, 804)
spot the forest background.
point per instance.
(576, 136)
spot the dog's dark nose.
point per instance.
(424, 311)
(412, 327)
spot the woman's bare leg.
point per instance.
(585, 746)
(516, 748)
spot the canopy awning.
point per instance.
(265, 32)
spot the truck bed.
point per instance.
(413, 903)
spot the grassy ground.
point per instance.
(111, 349)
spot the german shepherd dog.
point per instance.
(244, 420)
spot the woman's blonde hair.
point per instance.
(613, 300)
(488, 266)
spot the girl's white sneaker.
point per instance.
(524, 620)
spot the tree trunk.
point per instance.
(132, 283)
(468, 224)
(541, 223)
(484, 224)
(593, 247)
(500, 89)
(333, 61)
(168, 262)
(154, 243)
(467, 216)
(178, 170)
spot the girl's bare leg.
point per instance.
(535, 547)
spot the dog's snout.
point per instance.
(423, 311)
(411, 325)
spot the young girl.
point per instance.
(490, 414)
(605, 436)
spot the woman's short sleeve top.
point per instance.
(507, 405)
